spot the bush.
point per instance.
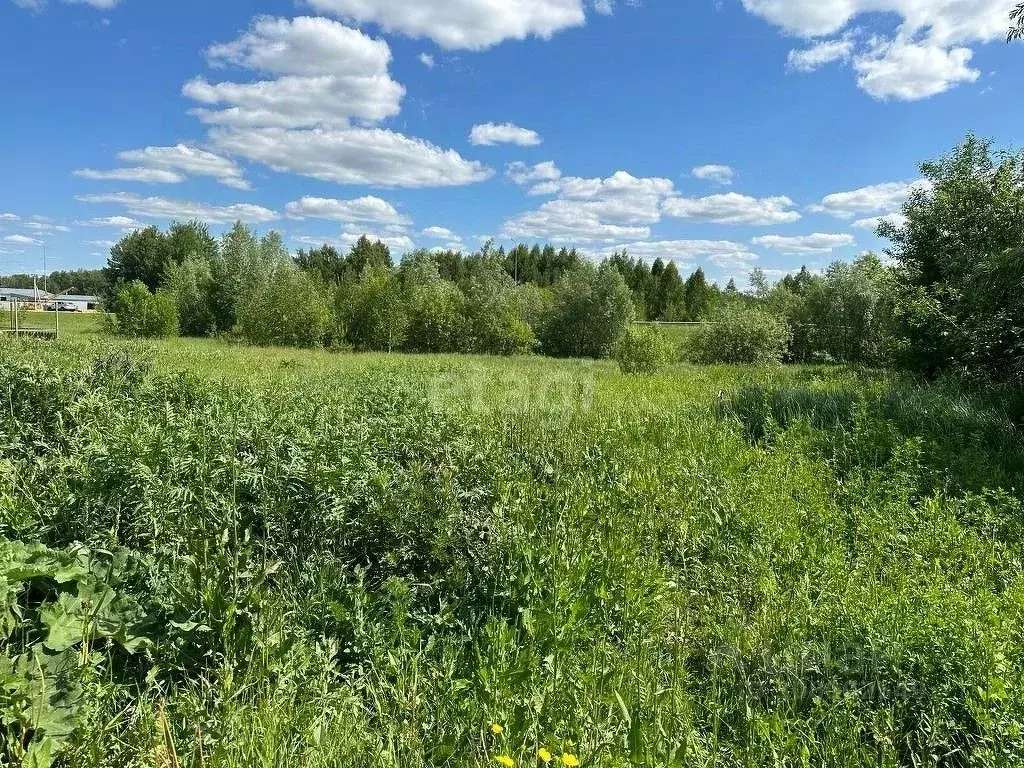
(141, 314)
(592, 309)
(495, 313)
(373, 310)
(644, 349)
(289, 311)
(741, 335)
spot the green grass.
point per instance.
(218, 555)
(71, 323)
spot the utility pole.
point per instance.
(44, 268)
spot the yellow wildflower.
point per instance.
(544, 755)
(496, 729)
(505, 761)
(570, 760)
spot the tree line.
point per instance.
(947, 295)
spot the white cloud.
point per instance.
(925, 53)
(490, 134)
(521, 173)
(873, 222)
(866, 200)
(189, 160)
(107, 244)
(353, 156)
(45, 226)
(171, 165)
(140, 175)
(733, 208)
(720, 174)
(722, 253)
(9, 217)
(567, 221)
(326, 73)
(619, 207)
(162, 208)
(911, 71)
(469, 24)
(427, 60)
(604, 7)
(22, 240)
(113, 222)
(439, 233)
(820, 54)
(805, 244)
(363, 209)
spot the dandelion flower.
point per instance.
(544, 755)
(496, 729)
(505, 761)
(570, 760)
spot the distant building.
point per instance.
(8, 296)
(30, 298)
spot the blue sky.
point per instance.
(722, 133)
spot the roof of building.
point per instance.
(29, 294)
(79, 298)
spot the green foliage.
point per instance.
(961, 259)
(375, 316)
(141, 314)
(739, 334)
(436, 307)
(495, 313)
(846, 314)
(190, 283)
(644, 349)
(140, 256)
(288, 310)
(363, 562)
(592, 307)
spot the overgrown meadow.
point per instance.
(213, 556)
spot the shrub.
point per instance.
(740, 335)
(437, 321)
(289, 311)
(592, 309)
(141, 314)
(374, 313)
(495, 313)
(644, 349)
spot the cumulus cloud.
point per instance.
(565, 221)
(171, 165)
(465, 24)
(370, 156)
(820, 54)
(522, 174)
(140, 175)
(9, 217)
(876, 198)
(910, 71)
(363, 209)
(324, 74)
(22, 240)
(427, 60)
(733, 208)
(489, 134)
(873, 222)
(41, 225)
(619, 207)
(162, 208)
(926, 53)
(439, 233)
(805, 244)
(719, 174)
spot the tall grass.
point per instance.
(369, 561)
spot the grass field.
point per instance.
(216, 555)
